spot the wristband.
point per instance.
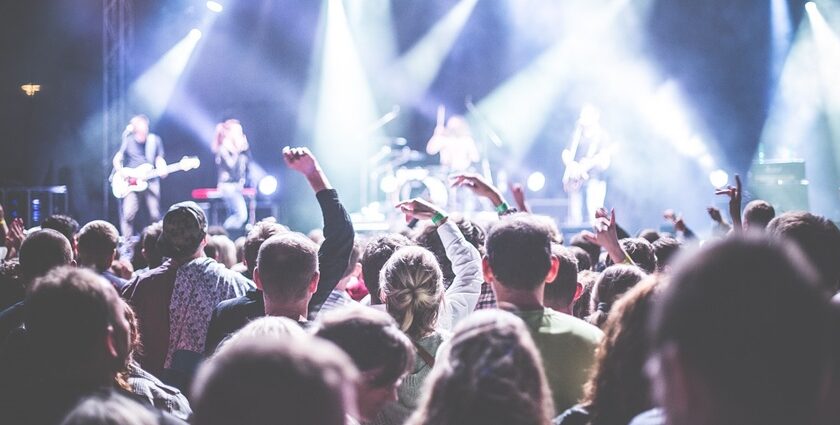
(2, 222)
(502, 208)
(437, 218)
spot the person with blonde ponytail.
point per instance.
(411, 284)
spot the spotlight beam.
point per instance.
(417, 68)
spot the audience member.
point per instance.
(611, 285)
(41, 251)
(666, 249)
(260, 382)
(817, 237)
(618, 388)
(377, 252)
(561, 293)
(294, 275)
(594, 250)
(758, 214)
(640, 251)
(65, 225)
(76, 341)
(149, 246)
(584, 261)
(489, 373)
(649, 235)
(518, 264)
(581, 306)
(110, 408)
(97, 248)
(143, 384)
(174, 301)
(412, 290)
(742, 336)
(381, 352)
(339, 296)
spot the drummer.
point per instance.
(454, 142)
(458, 153)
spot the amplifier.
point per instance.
(34, 204)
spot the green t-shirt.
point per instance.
(567, 345)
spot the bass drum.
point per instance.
(420, 183)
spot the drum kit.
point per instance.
(398, 173)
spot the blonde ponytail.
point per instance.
(412, 284)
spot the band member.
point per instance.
(586, 160)
(139, 147)
(454, 142)
(232, 158)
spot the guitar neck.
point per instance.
(169, 169)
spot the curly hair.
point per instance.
(618, 388)
(491, 373)
(412, 285)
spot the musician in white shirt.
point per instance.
(586, 160)
(139, 147)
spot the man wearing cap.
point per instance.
(174, 301)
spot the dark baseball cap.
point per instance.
(184, 227)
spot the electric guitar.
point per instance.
(127, 180)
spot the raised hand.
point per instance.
(734, 193)
(420, 209)
(478, 185)
(304, 162)
(714, 214)
(677, 221)
(519, 197)
(300, 160)
(15, 235)
(605, 234)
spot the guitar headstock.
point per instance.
(189, 163)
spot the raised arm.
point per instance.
(339, 234)
(483, 188)
(462, 295)
(734, 193)
(605, 235)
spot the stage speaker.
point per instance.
(781, 183)
(34, 204)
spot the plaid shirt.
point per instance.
(487, 298)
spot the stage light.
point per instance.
(520, 107)
(718, 178)
(341, 101)
(418, 67)
(536, 181)
(195, 34)
(152, 91)
(31, 89)
(267, 185)
(388, 184)
(811, 7)
(215, 6)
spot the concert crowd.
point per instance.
(447, 321)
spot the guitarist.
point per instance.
(139, 147)
(586, 160)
